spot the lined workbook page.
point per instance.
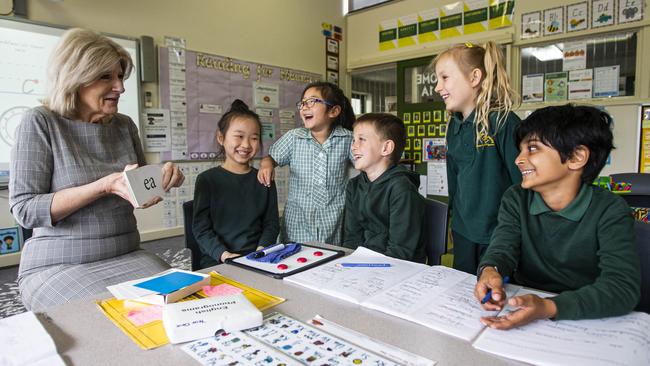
(415, 292)
(440, 298)
(356, 284)
(456, 311)
(623, 340)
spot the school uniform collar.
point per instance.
(574, 211)
(338, 131)
(459, 118)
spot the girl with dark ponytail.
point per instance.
(318, 155)
(233, 214)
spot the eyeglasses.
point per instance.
(309, 102)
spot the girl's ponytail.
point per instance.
(496, 94)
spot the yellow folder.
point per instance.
(152, 335)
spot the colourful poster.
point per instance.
(451, 20)
(555, 86)
(575, 56)
(581, 84)
(644, 151)
(428, 25)
(602, 13)
(531, 24)
(9, 240)
(576, 17)
(407, 30)
(553, 21)
(606, 81)
(475, 16)
(388, 35)
(630, 10)
(532, 88)
(500, 13)
(434, 149)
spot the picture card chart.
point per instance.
(281, 340)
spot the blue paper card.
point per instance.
(170, 282)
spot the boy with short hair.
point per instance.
(559, 233)
(383, 210)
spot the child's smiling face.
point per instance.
(541, 166)
(319, 116)
(241, 142)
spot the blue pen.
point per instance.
(487, 296)
(365, 264)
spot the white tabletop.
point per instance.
(84, 336)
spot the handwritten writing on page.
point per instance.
(415, 292)
(623, 340)
(356, 284)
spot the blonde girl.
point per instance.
(473, 83)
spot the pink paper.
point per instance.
(221, 290)
(145, 315)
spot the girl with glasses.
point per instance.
(318, 155)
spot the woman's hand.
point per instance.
(172, 176)
(115, 183)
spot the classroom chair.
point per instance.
(25, 233)
(436, 230)
(642, 231)
(639, 195)
(190, 241)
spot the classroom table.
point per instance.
(84, 336)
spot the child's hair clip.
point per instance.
(469, 44)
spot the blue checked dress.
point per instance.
(317, 181)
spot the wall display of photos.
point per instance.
(423, 125)
(580, 16)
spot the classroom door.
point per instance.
(425, 118)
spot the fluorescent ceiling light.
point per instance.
(548, 53)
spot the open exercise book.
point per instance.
(442, 298)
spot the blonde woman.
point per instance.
(473, 82)
(66, 178)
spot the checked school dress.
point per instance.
(317, 181)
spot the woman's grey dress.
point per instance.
(94, 247)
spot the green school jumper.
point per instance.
(585, 252)
(233, 212)
(478, 174)
(386, 215)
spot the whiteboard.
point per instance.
(25, 48)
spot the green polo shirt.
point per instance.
(584, 252)
(478, 174)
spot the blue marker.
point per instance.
(365, 264)
(487, 296)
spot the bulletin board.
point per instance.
(213, 82)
